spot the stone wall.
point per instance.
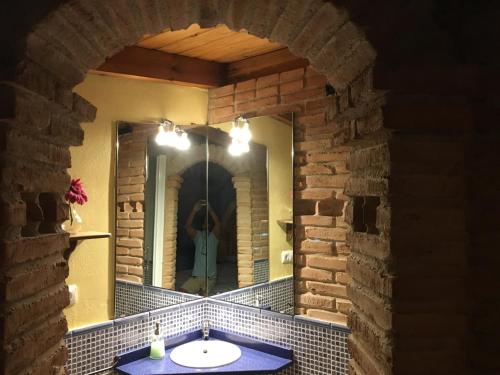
(320, 175)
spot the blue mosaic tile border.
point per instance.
(261, 271)
(276, 295)
(132, 298)
(320, 348)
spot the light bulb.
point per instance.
(184, 143)
(161, 136)
(245, 134)
(241, 136)
(235, 132)
(171, 138)
(244, 147)
(234, 149)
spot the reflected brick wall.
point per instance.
(130, 188)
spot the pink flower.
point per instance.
(76, 193)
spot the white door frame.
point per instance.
(161, 169)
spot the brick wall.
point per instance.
(130, 187)
(320, 175)
(409, 236)
(440, 79)
(483, 161)
(35, 148)
(260, 213)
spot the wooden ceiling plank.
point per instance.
(151, 64)
(213, 44)
(269, 63)
(236, 43)
(185, 45)
(249, 51)
(169, 37)
(186, 38)
(205, 51)
(241, 53)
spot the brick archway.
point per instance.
(243, 174)
(77, 37)
(42, 114)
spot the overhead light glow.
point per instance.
(171, 135)
(184, 142)
(240, 137)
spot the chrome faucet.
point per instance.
(206, 329)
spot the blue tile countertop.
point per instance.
(256, 358)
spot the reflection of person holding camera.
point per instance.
(206, 242)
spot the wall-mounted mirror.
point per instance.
(212, 219)
(157, 187)
(252, 193)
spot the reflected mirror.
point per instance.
(159, 183)
(206, 213)
(250, 191)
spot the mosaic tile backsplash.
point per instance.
(320, 348)
(276, 295)
(261, 271)
(132, 298)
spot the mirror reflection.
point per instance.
(205, 211)
(258, 154)
(153, 257)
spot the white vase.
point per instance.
(75, 222)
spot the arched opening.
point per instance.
(434, 231)
(341, 54)
(192, 190)
(222, 198)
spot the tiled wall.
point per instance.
(95, 347)
(320, 348)
(261, 271)
(132, 298)
(276, 295)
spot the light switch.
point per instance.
(287, 256)
(73, 294)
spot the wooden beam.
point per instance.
(269, 63)
(143, 63)
(149, 64)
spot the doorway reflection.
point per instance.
(206, 231)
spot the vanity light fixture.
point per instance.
(240, 137)
(171, 135)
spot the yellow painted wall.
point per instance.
(92, 263)
(277, 137)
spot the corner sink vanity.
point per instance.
(222, 353)
(187, 235)
(165, 278)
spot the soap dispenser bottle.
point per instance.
(157, 350)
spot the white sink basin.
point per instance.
(205, 354)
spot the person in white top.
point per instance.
(206, 242)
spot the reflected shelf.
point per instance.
(287, 226)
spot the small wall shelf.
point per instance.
(287, 226)
(80, 236)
